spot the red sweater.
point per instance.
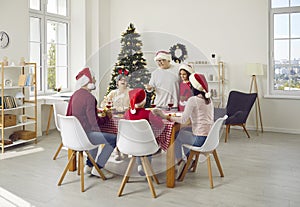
(185, 92)
(83, 105)
(141, 113)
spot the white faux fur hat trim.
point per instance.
(137, 98)
(163, 55)
(187, 67)
(199, 82)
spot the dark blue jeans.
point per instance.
(109, 141)
(186, 137)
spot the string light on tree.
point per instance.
(131, 59)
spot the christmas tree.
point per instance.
(131, 59)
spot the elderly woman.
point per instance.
(120, 96)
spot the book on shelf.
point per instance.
(26, 80)
(29, 80)
(8, 102)
(22, 80)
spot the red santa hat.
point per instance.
(199, 82)
(187, 67)
(163, 55)
(84, 77)
(137, 97)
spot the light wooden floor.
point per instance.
(261, 171)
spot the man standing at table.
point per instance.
(165, 81)
(83, 105)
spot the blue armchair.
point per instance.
(238, 108)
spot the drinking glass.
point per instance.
(170, 104)
(109, 105)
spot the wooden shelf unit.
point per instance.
(217, 71)
(9, 86)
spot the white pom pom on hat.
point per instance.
(163, 55)
(137, 96)
(208, 94)
(199, 82)
(187, 67)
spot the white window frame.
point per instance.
(288, 94)
(44, 16)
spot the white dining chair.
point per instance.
(209, 147)
(74, 138)
(59, 108)
(136, 138)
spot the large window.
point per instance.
(285, 47)
(49, 43)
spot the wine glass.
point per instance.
(170, 104)
(109, 105)
(153, 105)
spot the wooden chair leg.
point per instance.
(80, 166)
(67, 167)
(209, 171)
(244, 126)
(127, 175)
(227, 132)
(193, 169)
(95, 165)
(186, 167)
(151, 171)
(57, 151)
(218, 163)
(148, 176)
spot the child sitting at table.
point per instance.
(137, 111)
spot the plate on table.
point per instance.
(178, 114)
(175, 114)
(118, 115)
(149, 109)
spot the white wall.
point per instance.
(77, 38)
(236, 30)
(15, 22)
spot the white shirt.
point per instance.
(200, 114)
(166, 84)
(120, 100)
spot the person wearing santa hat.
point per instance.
(165, 81)
(185, 87)
(120, 96)
(83, 105)
(200, 110)
(137, 112)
